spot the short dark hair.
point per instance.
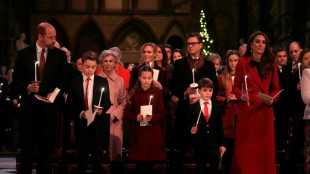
(194, 34)
(278, 50)
(168, 46)
(205, 83)
(90, 55)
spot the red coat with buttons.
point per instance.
(254, 151)
(146, 143)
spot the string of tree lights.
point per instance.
(207, 41)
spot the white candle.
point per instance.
(299, 71)
(35, 71)
(246, 86)
(150, 99)
(151, 64)
(193, 72)
(102, 89)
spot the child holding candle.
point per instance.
(84, 94)
(146, 142)
(207, 137)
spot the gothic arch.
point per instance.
(61, 33)
(135, 25)
(174, 35)
(89, 37)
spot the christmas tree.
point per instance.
(207, 42)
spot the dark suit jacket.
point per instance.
(54, 72)
(76, 102)
(182, 76)
(209, 134)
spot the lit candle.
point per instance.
(1, 87)
(193, 72)
(246, 86)
(299, 71)
(102, 89)
(151, 64)
(35, 70)
(150, 99)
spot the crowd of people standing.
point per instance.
(239, 114)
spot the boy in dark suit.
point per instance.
(206, 127)
(85, 92)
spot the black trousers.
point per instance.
(90, 140)
(204, 156)
(37, 128)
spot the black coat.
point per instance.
(209, 134)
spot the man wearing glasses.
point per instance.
(187, 71)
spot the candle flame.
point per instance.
(298, 64)
(102, 89)
(193, 70)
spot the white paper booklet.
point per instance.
(52, 97)
(267, 97)
(155, 75)
(145, 110)
(90, 116)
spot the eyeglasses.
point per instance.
(192, 43)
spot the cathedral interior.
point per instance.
(96, 25)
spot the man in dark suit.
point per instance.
(38, 119)
(84, 93)
(182, 78)
(295, 49)
(281, 120)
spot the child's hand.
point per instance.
(222, 150)
(139, 117)
(148, 118)
(194, 129)
(98, 111)
(83, 115)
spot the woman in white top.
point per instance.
(305, 94)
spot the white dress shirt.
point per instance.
(202, 106)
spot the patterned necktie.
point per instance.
(206, 111)
(86, 95)
(42, 64)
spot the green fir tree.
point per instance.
(207, 41)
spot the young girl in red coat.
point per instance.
(146, 142)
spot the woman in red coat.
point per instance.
(230, 103)
(146, 142)
(254, 150)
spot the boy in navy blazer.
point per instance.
(84, 94)
(206, 127)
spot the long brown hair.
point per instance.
(144, 68)
(267, 59)
(228, 70)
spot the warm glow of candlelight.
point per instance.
(102, 89)
(35, 71)
(150, 99)
(193, 72)
(299, 71)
